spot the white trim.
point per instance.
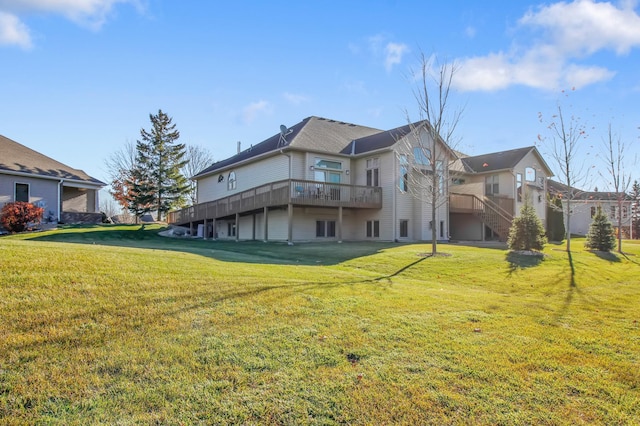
(35, 176)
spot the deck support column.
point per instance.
(213, 229)
(237, 227)
(290, 230)
(265, 223)
(339, 224)
(253, 233)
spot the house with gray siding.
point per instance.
(66, 194)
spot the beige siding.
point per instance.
(270, 169)
(537, 191)
(42, 192)
(78, 200)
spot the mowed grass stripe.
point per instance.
(140, 329)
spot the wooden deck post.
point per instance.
(290, 230)
(340, 224)
(265, 224)
(237, 227)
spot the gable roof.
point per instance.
(311, 134)
(379, 140)
(18, 159)
(495, 161)
(557, 188)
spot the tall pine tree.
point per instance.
(159, 182)
(601, 235)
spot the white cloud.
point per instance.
(251, 111)
(89, 13)
(570, 32)
(585, 27)
(393, 54)
(13, 31)
(295, 99)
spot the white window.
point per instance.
(325, 228)
(491, 185)
(22, 192)
(404, 228)
(530, 174)
(404, 173)
(519, 186)
(327, 171)
(373, 172)
(373, 229)
(231, 181)
(422, 155)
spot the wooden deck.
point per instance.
(281, 193)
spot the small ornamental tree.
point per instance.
(18, 216)
(527, 231)
(601, 235)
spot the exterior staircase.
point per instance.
(489, 212)
(494, 217)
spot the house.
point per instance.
(499, 183)
(66, 194)
(324, 179)
(585, 204)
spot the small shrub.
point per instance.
(19, 216)
(601, 235)
(527, 232)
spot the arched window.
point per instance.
(231, 181)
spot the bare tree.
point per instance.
(615, 157)
(198, 158)
(564, 148)
(119, 168)
(431, 138)
(109, 206)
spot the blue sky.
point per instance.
(79, 78)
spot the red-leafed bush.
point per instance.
(20, 216)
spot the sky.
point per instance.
(80, 78)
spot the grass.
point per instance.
(117, 325)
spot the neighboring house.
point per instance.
(505, 179)
(66, 194)
(584, 205)
(324, 179)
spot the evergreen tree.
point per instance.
(159, 160)
(138, 196)
(527, 231)
(555, 220)
(601, 235)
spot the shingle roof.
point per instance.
(15, 157)
(311, 134)
(557, 188)
(377, 140)
(495, 161)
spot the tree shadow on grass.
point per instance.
(607, 255)
(258, 252)
(522, 261)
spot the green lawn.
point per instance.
(117, 325)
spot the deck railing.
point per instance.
(296, 192)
